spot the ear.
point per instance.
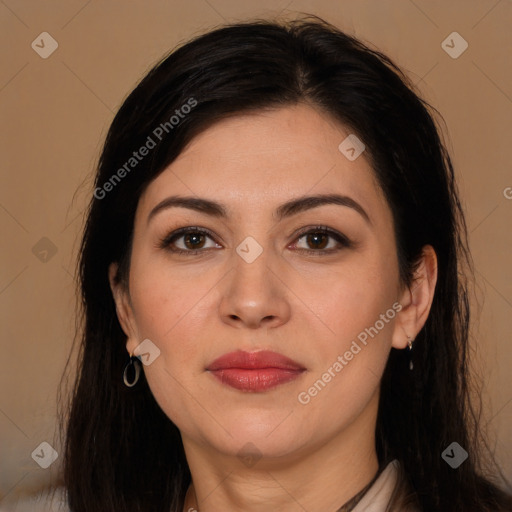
(416, 299)
(124, 308)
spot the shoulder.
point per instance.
(47, 501)
(380, 493)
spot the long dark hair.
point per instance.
(122, 453)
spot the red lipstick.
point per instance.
(254, 371)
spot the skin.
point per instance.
(307, 306)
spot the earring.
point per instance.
(133, 363)
(409, 343)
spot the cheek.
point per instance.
(350, 299)
(358, 318)
(171, 311)
(169, 303)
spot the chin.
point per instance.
(267, 434)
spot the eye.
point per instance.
(193, 240)
(322, 239)
(190, 240)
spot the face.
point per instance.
(316, 283)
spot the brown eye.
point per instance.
(194, 240)
(190, 240)
(321, 240)
(317, 240)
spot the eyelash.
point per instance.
(165, 243)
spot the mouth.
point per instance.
(254, 371)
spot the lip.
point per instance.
(254, 371)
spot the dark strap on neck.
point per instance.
(352, 502)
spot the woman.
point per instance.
(272, 280)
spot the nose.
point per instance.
(254, 295)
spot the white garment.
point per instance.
(377, 497)
(375, 500)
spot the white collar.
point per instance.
(378, 495)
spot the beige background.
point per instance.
(55, 113)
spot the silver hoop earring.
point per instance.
(133, 363)
(409, 343)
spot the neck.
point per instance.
(316, 479)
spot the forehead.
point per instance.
(256, 160)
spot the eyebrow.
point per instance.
(285, 210)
